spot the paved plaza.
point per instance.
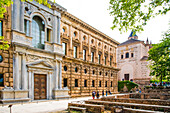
(41, 106)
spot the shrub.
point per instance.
(128, 84)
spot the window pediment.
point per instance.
(40, 64)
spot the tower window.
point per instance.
(131, 54)
(121, 56)
(127, 55)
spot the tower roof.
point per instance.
(131, 34)
(130, 41)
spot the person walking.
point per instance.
(97, 95)
(103, 93)
(93, 94)
(106, 92)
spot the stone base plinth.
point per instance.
(60, 94)
(10, 96)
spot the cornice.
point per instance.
(85, 25)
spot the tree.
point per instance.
(159, 55)
(6, 3)
(134, 14)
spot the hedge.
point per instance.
(128, 84)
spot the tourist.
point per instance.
(97, 95)
(140, 90)
(103, 93)
(93, 94)
(110, 92)
(106, 92)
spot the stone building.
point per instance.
(132, 58)
(89, 63)
(36, 53)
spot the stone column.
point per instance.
(56, 75)
(16, 71)
(22, 17)
(23, 73)
(30, 83)
(49, 86)
(55, 29)
(30, 26)
(16, 14)
(60, 75)
(58, 29)
(70, 42)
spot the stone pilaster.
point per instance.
(23, 73)
(55, 29)
(60, 75)
(56, 71)
(22, 17)
(58, 29)
(16, 71)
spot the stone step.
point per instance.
(89, 107)
(138, 101)
(130, 110)
(83, 110)
(109, 105)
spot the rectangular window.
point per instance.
(76, 82)
(99, 58)
(121, 56)
(84, 54)
(26, 27)
(65, 82)
(105, 83)
(126, 76)
(48, 34)
(105, 60)
(75, 52)
(1, 28)
(1, 80)
(85, 83)
(93, 83)
(64, 47)
(92, 56)
(111, 61)
(100, 84)
(111, 84)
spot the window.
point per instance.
(105, 60)
(105, 83)
(76, 69)
(85, 83)
(65, 82)
(111, 74)
(92, 56)
(127, 55)
(131, 54)
(1, 58)
(48, 34)
(111, 84)
(93, 83)
(38, 32)
(64, 30)
(84, 37)
(126, 76)
(100, 84)
(76, 82)
(106, 74)
(84, 54)
(26, 27)
(1, 28)
(92, 41)
(100, 73)
(111, 61)
(99, 58)
(65, 68)
(85, 71)
(1, 80)
(121, 56)
(93, 72)
(75, 34)
(75, 52)
(64, 47)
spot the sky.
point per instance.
(96, 14)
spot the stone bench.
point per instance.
(109, 105)
(139, 101)
(83, 110)
(89, 107)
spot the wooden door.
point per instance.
(126, 76)
(39, 86)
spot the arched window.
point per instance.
(127, 55)
(131, 54)
(38, 32)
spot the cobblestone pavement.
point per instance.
(48, 106)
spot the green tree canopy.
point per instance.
(134, 14)
(159, 55)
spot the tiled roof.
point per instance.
(129, 41)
